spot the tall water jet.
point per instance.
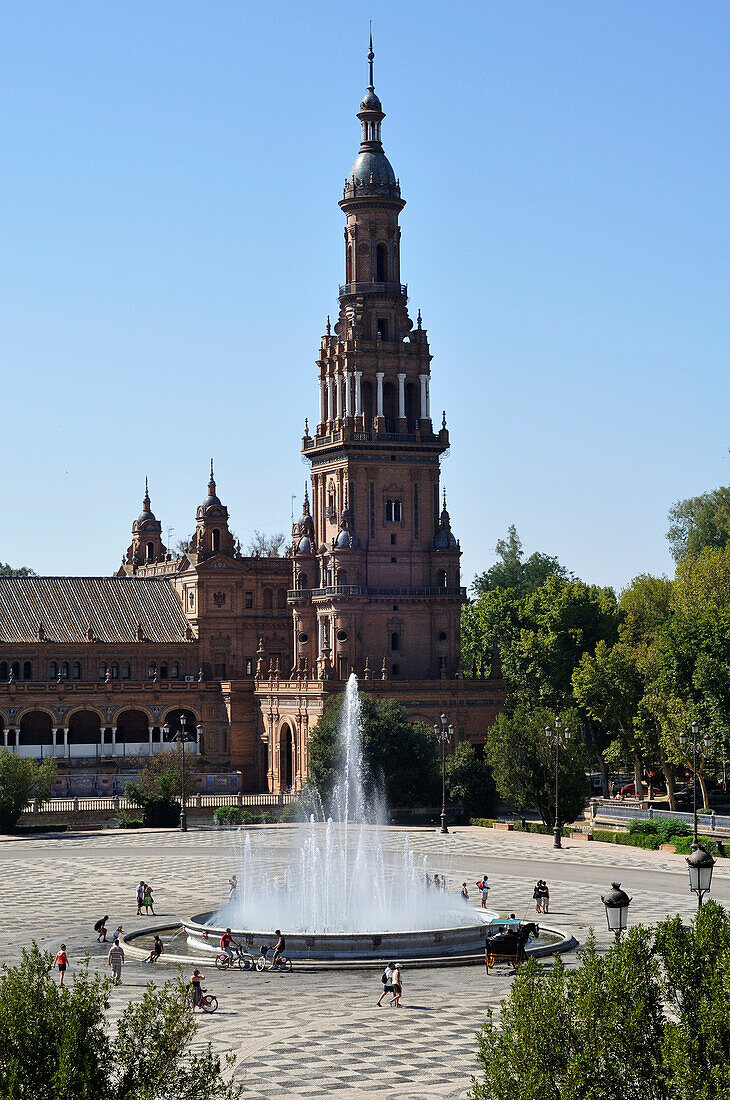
(346, 891)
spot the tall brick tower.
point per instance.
(376, 566)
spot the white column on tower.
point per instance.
(330, 397)
(348, 393)
(401, 396)
(424, 396)
(380, 376)
(339, 396)
(358, 393)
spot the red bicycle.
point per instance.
(263, 962)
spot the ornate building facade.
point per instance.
(93, 670)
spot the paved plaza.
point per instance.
(315, 1034)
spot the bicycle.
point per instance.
(242, 959)
(208, 1001)
(263, 962)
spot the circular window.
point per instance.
(303, 638)
(341, 635)
(442, 636)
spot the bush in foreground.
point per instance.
(56, 1044)
(649, 1018)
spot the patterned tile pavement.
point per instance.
(321, 1034)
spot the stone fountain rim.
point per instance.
(480, 922)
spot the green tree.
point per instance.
(57, 1043)
(513, 572)
(523, 762)
(399, 755)
(589, 1033)
(699, 522)
(646, 1019)
(7, 570)
(20, 780)
(469, 780)
(157, 791)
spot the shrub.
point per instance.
(232, 815)
(21, 779)
(684, 844)
(127, 821)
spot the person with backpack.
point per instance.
(387, 980)
(397, 986)
(483, 885)
(100, 929)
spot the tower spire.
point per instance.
(371, 58)
(146, 501)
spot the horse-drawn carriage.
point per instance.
(506, 944)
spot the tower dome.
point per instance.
(371, 172)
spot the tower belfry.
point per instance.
(372, 583)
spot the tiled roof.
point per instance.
(67, 606)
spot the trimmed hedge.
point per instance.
(530, 826)
(19, 830)
(131, 823)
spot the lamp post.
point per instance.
(695, 743)
(444, 732)
(700, 865)
(617, 903)
(182, 737)
(559, 737)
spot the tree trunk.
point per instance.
(638, 783)
(703, 788)
(669, 779)
(605, 782)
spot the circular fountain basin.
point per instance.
(454, 941)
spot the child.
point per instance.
(61, 961)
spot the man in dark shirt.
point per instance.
(279, 947)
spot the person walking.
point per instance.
(544, 896)
(100, 929)
(397, 986)
(140, 897)
(196, 984)
(61, 961)
(157, 949)
(537, 897)
(387, 980)
(436, 882)
(233, 889)
(483, 885)
(148, 901)
(464, 892)
(115, 959)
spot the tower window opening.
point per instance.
(27, 670)
(268, 599)
(3, 670)
(383, 328)
(395, 641)
(151, 670)
(150, 551)
(396, 670)
(76, 671)
(126, 671)
(15, 669)
(115, 671)
(441, 579)
(349, 264)
(248, 603)
(393, 511)
(163, 671)
(393, 540)
(216, 540)
(53, 671)
(381, 264)
(64, 670)
(175, 671)
(102, 670)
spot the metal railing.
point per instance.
(374, 288)
(368, 591)
(118, 802)
(622, 812)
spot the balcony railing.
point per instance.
(369, 437)
(400, 289)
(373, 592)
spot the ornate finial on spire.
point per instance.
(306, 499)
(371, 56)
(146, 487)
(444, 497)
(443, 419)
(306, 425)
(329, 326)
(211, 469)
(420, 322)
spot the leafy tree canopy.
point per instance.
(699, 522)
(523, 762)
(648, 1018)
(57, 1045)
(157, 791)
(512, 571)
(20, 779)
(469, 781)
(399, 755)
(7, 570)
(266, 546)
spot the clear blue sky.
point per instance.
(170, 246)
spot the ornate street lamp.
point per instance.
(182, 736)
(695, 744)
(444, 732)
(558, 737)
(700, 865)
(617, 903)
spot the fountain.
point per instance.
(345, 895)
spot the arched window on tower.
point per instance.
(174, 671)
(163, 670)
(216, 540)
(349, 264)
(15, 669)
(27, 670)
(115, 670)
(381, 264)
(3, 670)
(151, 670)
(395, 641)
(53, 671)
(441, 579)
(126, 671)
(411, 407)
(64, 670)
(150, 551)
(268, 599)
(77, 670)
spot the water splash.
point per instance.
(342, 878)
